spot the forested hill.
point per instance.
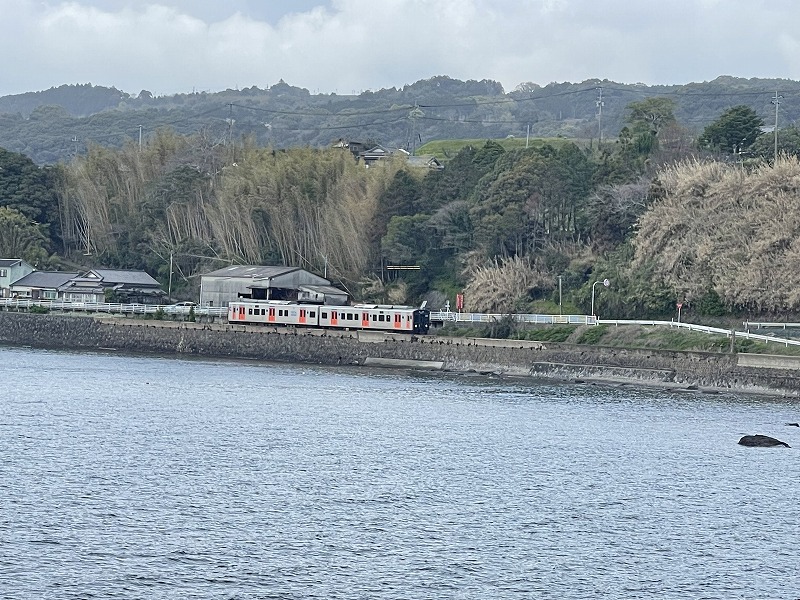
(56, 124)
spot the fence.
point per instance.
(122, 309)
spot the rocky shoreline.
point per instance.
(696, 371)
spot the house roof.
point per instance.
(125, 277)
(425, 160)
(10, 262)
(323, 289)
(45, 279)
(251, 271)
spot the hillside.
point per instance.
(56, 124)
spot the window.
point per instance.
(249, 311)
(312, 314)
(380, 318)
(324, 315)
(3, 272)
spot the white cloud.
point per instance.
(169, 46)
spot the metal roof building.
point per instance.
(228, 284)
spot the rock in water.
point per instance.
(761, 441)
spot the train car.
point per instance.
(273, 312)
(374, 317)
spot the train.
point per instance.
(370, 317)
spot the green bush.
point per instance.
(548, 333)
(39, 310)
(593, 335)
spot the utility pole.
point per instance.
(230, 123)
(559, 295)
(599, 102)
(776, 101)
(140, 138)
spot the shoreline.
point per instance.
(666, 369)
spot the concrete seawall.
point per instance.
(751, 373)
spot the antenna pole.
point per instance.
(776, 101)
(599, 102)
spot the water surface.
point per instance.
(142, 477)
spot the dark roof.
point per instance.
(9, 262)
(126, 277)
(251, 271)
(323, 289)
(45, 279)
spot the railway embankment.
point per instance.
(688, 370)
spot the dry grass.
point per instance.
(723, 228)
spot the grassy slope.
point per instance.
(634, 336)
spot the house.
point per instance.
(42, 285)
(425, 161)
(118, 285)
(378, 153)
(228, 284)
(12, 270)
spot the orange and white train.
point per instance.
(373, 317)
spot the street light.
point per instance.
(605, 283)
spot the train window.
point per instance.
(374, 317)
(324, 315)
(380, 317)
(263, 311)
(312, 314)
(249, 311)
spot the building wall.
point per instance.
(12, 274)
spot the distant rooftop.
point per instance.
(251, 271)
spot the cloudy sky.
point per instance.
(346, 46)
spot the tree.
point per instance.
(735, 131)
(645, 120)
(650, 115)
(788, 143)
(19, 238)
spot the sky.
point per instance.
(349, 46)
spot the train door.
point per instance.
(302, 319)
(334, 318)
(365, 320)
(397, 321)
(271, 315)
(238, 312)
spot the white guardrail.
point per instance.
(436, 316)
(461, 317)
(704, 329)
(124, 309)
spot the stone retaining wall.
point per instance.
(508, 357)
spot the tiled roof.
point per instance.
(45, 279)
(113, 276)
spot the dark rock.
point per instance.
(761, 441)
(793, 424)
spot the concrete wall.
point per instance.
(546, 360)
